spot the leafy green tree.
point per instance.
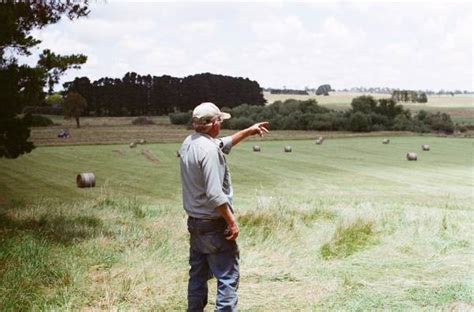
(364, 104)
(422, 98)
(21, 84)
(84, 87)
(54, 99)
(74, 106)
(390, 108)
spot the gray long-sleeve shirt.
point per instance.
(205, 176)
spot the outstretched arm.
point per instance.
(259, 128)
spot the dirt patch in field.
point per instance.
(150, 156)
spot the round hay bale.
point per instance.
(142, 141)
(287, 149)
(256, 148)
(132, 144)
(412, 156)
(319, 141)
(86, 179)
(425, 147)
(386, 141)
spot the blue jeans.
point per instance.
(210, 254)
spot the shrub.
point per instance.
(142, 120)
(239, 123)
(462, 128)
(359, 122)
(365, 104)
(419, 126)
(241, 110)
(380, 122)
(276, 123)
(180, 118)
(321, 122)
(422, 115)
(311, 106)
(402, 123)
(441, 122)
(40, 121)
(366, 114)
(288, 107)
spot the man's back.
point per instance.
(204, 174)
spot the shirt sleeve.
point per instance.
(225, 144)
(210, 164)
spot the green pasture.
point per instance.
(346, 225)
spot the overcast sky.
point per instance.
(423, 45)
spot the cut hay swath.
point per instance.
(150, 156)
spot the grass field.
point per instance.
(347, 225)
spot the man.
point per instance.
(207, 199)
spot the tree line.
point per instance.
(409, 96)
(321, 90)
(387, 90)
(135, 94)
(366, 114)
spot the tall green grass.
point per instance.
(348, 239)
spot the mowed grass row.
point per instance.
(350, 224)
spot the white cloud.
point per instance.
(295, 44)
(56, 41)
(200, 29)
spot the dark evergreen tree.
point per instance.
(323, 90)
